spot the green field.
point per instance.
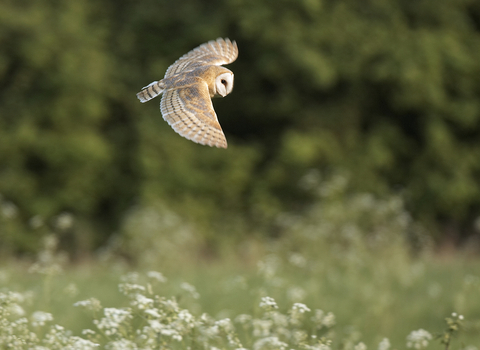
(371, 295)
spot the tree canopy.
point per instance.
(385, 91)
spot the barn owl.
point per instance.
(188, 86)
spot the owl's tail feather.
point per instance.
(150, 91)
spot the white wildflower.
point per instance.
(261, 328)
(329, 320)
(153, 312)
(187, 318)
(384, 344)
(243, 319)
(211, 332)
(190, 289)
(88, 332)
(225, 325)
(131, 277)
(158, 276)
(320, 347)
(173, 333)
(131, 288)
(471, 347)
(142, 302)
(122, 344)
(300, 308)
(296, 313)
(170, 305)
(39, 318)
(16, 297)
(156, 325)
(279, 320)
(15, 310)
(268, 303)
(418, 339)
(77, 343)
(300, 336)
(112, 320)
(321, 320)
(360, 346)
(269, 343)
(91, 304)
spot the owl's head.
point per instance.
(224, 84)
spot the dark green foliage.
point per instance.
(386, 90)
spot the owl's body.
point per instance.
(187, 88)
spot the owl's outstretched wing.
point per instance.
(215, 52)
(189, 111)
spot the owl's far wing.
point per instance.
(215, 52)
(189, 111)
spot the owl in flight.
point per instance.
(188, 86)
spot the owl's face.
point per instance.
(224, 84)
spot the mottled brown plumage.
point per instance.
(188, 86)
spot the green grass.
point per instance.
(349, 257)
(372, 299)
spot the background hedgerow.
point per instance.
(387, 92)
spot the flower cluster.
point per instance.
(418, 339)
(268, 303)
(17, 333)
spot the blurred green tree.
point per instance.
(60, 145)
(385, 90)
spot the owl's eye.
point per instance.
(224, 82)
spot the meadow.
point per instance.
(353, 157)
(346, 276)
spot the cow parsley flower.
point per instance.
(269, 343)
(91, 304)
(39, 318)
(190, 289)
(268, 303)
(322, 320)
(418, 339)
(77, 343)
(187, 318)
(243, 319)
(261, 328)
(112, 320)
(225, 325)
(142, 302)
(130, 289)
(300, 308)
(384, 344)
(122, 344)
(360, 346)
(158, 276)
